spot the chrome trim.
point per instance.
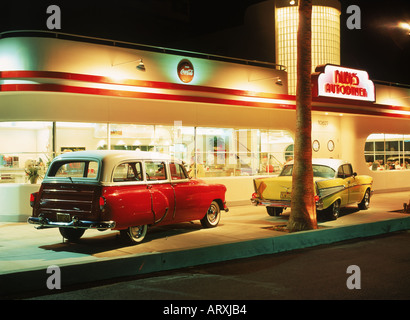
(271, 203)
(75, 223)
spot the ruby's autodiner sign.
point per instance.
(340, 82)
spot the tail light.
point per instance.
(33, 197)
(317, 198)
(255, 195)
(102, 203)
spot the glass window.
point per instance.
(74, 169)
(176, 140)
(155, 171)
(24, 146)
(128, 172)
(387, 152)
(79, 136)
(347, 170)
(318, 171)
(241, 152)
(177, 171)
(207, 152)
(323, 172)
(287, 170)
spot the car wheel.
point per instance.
(71, 234)
(334, 210)
(274, 211)
(365, 204)
(212, 216)
(135, 234)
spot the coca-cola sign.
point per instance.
(185, 71)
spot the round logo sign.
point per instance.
(185, 71)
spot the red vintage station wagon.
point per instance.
(122, 190)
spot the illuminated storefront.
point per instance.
(228, 120)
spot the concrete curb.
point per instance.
(35, 280)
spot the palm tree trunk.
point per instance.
(303, 214)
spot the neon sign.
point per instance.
(339, 82)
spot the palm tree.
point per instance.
(303, 214)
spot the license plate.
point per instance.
(63, 217)
(285, 195)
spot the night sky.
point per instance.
(379, 47)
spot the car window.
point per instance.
(128, 172)
(318, 171)
(74, 169)
(340, 173)
(155, 170)
(177, 171)
(287, 170)
(347, 169)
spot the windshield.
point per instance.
(74, 169)
(319, 171)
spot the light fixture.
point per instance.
(292, 2)
(141, 66)
(277, 80)
(405, 26)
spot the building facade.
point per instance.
(229, 120)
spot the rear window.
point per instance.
(74, 169)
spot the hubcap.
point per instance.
(212, 214)
(137, 232)
(336, 209)
(366, 199)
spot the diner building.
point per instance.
(230, 120)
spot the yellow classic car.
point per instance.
(336, 186)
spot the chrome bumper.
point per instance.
(271, 203)
(279, 203)
(43, 223)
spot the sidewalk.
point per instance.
(246, 231)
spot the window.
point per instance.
(387, 152)
(240, 152)
(318, 171)
(128, 172)
(207, 152)
(155, 171)
(345, 171)
(177, 171)
(24, 144)
(74, 169)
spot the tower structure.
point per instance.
(325, 35)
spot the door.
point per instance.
(128, 198)
(186, 194)
(162, 193)
(353, 187)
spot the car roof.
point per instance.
(332, 163)
(111, 158)
(114, 155)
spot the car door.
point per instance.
(344, 194)
(128, 197)
(352, 184)
(162, 193)
(186, 194)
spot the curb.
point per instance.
(74, 274)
